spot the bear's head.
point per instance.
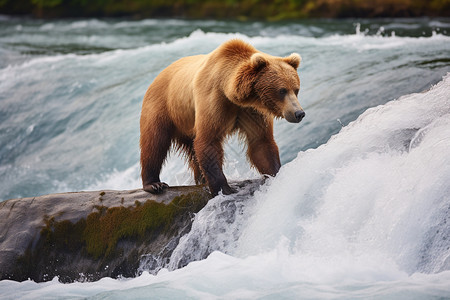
(270, 85)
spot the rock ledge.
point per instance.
(90, 235)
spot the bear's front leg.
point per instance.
(209, 153)
(262, 150)
(263, 154)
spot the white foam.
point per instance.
(365, 193)
(119, 180)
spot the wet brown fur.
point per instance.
(197, 101)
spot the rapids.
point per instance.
(360, 208)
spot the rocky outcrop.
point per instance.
(90, 235)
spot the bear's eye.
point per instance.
(283, 92)
(296, 92)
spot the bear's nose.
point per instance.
(299, 115)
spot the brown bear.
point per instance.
(198, 101)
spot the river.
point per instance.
(360, 208)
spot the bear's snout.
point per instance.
(292, 111)
(294, 116)
(299, 115)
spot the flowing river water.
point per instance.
(360, 208)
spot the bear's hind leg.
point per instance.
(155, 145)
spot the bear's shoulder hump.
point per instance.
(237, 47)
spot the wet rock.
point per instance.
(90, 235)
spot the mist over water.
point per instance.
(360, 208)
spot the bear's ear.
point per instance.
(258, 61)
(294, 60)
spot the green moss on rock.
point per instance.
(63, 235)
(100, 232)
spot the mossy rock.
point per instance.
(98, 238)
(99, 232)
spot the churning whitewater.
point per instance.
(360, 208)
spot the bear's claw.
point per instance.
(156, 187)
